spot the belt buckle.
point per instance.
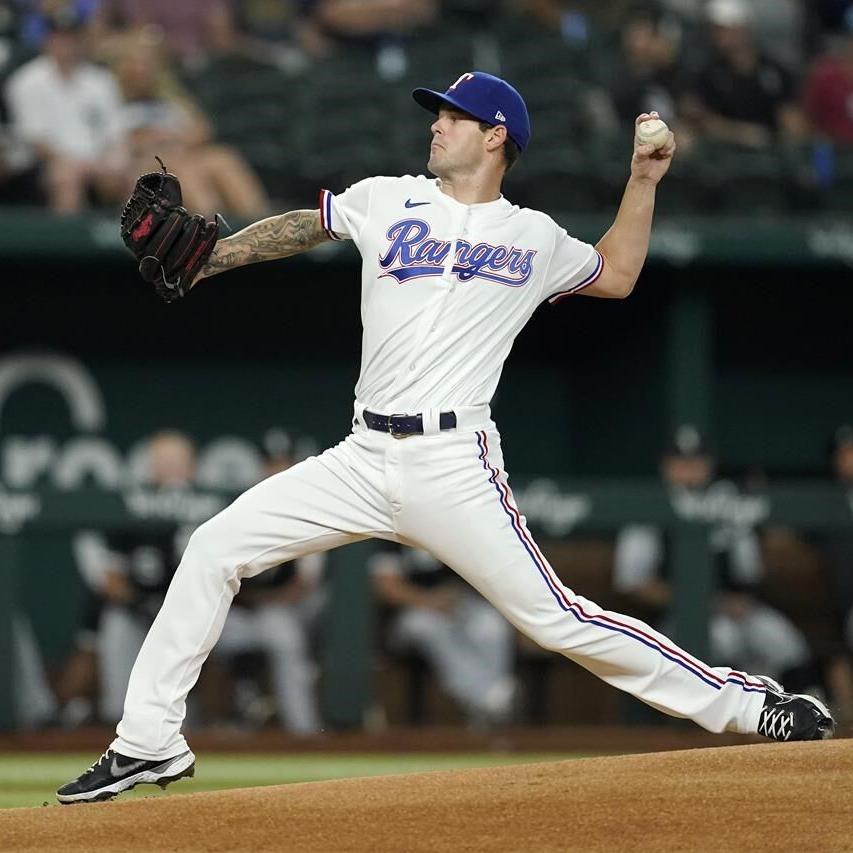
(392, 432)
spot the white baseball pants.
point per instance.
(445, 492)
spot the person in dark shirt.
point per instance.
(742, 96)
(743, 628)
(648, 74)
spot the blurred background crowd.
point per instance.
(257, 102)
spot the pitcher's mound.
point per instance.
(759, 798)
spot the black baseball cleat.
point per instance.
(113, 773)
(793, 716)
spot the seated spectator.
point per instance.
(274, 613)
(744, 631)
(377, 26)
(284, 33)
(741, 96)
(67, 111)
(778, 24)
(576, 18)
(437, 616)
(369, 21)
(34, 17)
(192, 29)
(159, 118)
(19, 182)
(829, 91)
(648, 75)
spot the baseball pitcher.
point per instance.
(451, 273)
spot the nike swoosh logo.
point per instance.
(123, 771)
(410, 203)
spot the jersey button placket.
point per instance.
(447, 277)
(430, 326)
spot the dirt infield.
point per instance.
(766, 797)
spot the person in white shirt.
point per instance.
(451, 273)
(66, 110)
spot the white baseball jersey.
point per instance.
(446, 287)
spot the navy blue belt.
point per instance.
(402, 426)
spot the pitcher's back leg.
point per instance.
(321, 503)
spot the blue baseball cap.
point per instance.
(485, 97)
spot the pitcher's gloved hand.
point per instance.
(171, 244)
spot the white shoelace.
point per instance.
(776, 724)
(92, 768)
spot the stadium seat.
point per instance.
(557, 179)
(746, 181)
(436, 59)
(527, 50)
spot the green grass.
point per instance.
(31, 779)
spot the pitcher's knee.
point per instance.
(208, 546)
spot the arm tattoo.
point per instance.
(275, 237)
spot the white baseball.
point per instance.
(653, 131)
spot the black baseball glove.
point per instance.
(171, 244)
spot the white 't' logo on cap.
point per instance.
(463, 78)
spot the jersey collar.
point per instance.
(500, 204)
